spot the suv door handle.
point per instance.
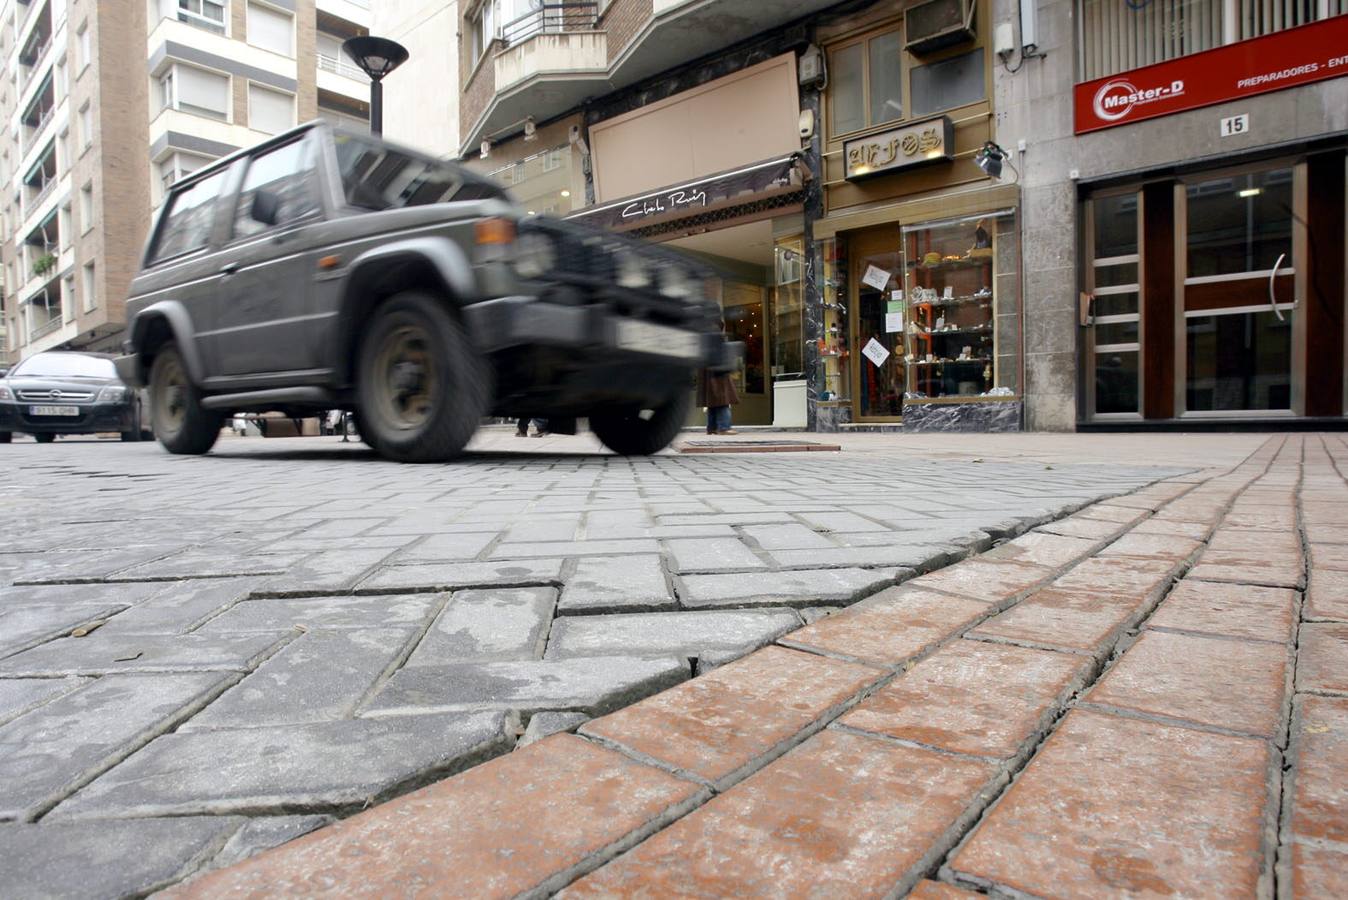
(229, 268)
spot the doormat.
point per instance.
(755, 447)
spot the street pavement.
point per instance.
(201, 658)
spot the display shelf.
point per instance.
(981, 360)
(985, 330)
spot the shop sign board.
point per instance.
(1285, 59)
(900, 148)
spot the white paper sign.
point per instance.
(893, 322)
(896, 295)
(875, 277)
(948, 293)
(875, 352)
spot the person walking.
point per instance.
(716, 391)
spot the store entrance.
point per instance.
(878, 370)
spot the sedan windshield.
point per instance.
(64, 365)
(376, 176)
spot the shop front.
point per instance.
(918, 252)
(716, 172)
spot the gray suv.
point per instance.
(325, 269)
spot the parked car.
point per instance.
(325, 269)
(61, 392)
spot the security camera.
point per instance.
(805, 124)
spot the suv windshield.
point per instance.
(62, 365)
(376, 176)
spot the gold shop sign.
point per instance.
(902, 148)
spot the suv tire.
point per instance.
(6, 437)
(180, 422)
(630, 433)
(421, 389)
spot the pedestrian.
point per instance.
(716, 391)
(522, 427)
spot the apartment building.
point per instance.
(107, 105)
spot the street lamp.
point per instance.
(377, 57)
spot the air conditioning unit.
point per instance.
(938, 24)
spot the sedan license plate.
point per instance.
(643, 337)
(53, 410)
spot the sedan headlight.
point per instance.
(632, 270)
(534, 255)
(674, 282)
(5, 394)
(114, 394)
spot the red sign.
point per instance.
(1313, 52)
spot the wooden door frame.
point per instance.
(859, 243)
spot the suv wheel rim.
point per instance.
(172, 397)
(405, 377)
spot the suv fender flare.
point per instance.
(170, 314)
(444, 258)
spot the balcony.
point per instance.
(37, 126)
(550, 59)
(329, 63)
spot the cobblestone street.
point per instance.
(201, 658)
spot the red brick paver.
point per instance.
(841, 815)
(1236, 610)
(728, 722)
(1322, 665)
(1077, 620)
(993, 582)
(527, 821)
(1098, 813)
(1042, 549)
(973, 697)
(1236, 685)
(1327, 595)
(1318, 823)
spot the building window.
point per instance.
(270, 111)
(178, 166)
(271, 30)
(866, 83)
(63, 225)
(208, 14)
(482, 28)
(195, 91)
(86, 127)
(62, 80)
(68, 297)
(952, 82)
(86, 208)
(552, 159)
(82, 46)
(90, 287)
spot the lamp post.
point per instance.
(376, 57)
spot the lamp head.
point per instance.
(989, 159)
(376, 56)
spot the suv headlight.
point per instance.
(632, 270)
(115, 394)
(534, 255)
(674, 282)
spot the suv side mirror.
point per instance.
(266, 207)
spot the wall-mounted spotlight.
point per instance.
(990, 158)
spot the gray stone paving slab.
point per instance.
(524, 573)
(98, 860)
(683, 634)
(593, 685)
(573, 548)
(330, 572)
(181, 606)
(918, 556)
(51, 750)
(602, 532)
(796, 588)
(543, 724)
(121, 594)
(100, 654)
(211, 563)
(323, 767)
(787, 537)
(439, 548)
(712, 555)
(632, 583)
(30, 626)
(493, 624)
(318, 677)
(261, 834)
(274, 614)
(19, 695)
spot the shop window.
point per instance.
(947, 84)
(788, 326)
(866, 83)
(1239, 224)
(742, 309)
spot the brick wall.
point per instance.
(479, 85)
(622, 20)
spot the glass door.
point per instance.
(742, 305)
(1239, 289)
(876, 287)
(1114, 319)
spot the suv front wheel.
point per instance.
(421, 389)
(180, 422)
(642, 432)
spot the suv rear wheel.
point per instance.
(421, 388)
(642, 432)
(180, 422)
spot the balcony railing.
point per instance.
(341, 67)
(32, 139)
(43, 193)
(45, 328)
(33, 67)
(550, 18)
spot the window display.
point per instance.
(948, 311)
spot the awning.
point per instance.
(747, 184)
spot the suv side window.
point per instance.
(286, 171)
(188, 219)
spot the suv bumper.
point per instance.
(522, 321)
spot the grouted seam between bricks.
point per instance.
(974, 811)
(401, 657)
(1108, 659)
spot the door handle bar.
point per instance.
(1273, 300)
(229, 268)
